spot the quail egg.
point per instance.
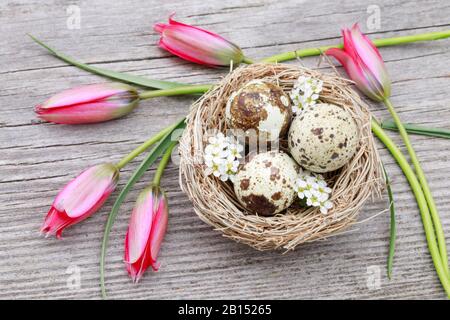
(265, 183)
(261, 109)
(323, 137)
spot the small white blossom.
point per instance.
(213, 168)
(322, 186)
(325, 206)
(235, 150)
(220, 156)
(228, 169)
(313, 201)
(300, 188)
(305, 92)
(313, 188)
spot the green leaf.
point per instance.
(393, 228)
(154, 154)
(129, 78)
(416, 129)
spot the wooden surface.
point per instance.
(37, 159)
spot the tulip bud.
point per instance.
(363, 63)
(197, 45)
(146, 231)
(80, 198)
(90, 103)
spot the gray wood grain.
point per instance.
(36, 159)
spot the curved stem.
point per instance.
(163, 163)
(424, 184)
(186, 89)
(421, 202)
(378, 42)
(133, 154)
(393, 228)
(247, 60)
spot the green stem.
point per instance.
(378, 42)
(247, 60)
(133, 154)
(393, 228)
(421, 202)
(186, 89)
(424, 184)
(163, 163)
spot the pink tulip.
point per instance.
(88, 104)
(146, 231)
(197, 45)
(363, 63)
(80, 198)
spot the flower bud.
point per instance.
(363, 63)
(197, 45)
(80, 198)
(89, 104)
(146, 231)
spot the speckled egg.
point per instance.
(265, 183)
(259, 108)
(323, 137)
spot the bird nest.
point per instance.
(215, 202)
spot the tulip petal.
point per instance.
(357, 29)
(82, 94)
(158, 230)
(88, 104)
(362, 80)
(140, 228)
(55, 222)
(84, 194)
(196, 44)
(91, 112)
(148, 224)
(348, 45)
(80, 198)
(369, 55)
(87, 192)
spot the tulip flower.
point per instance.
(80, 198)
(146, 231)
(88, 104)
(363, 63)
(198, 45)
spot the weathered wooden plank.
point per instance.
(37, 159)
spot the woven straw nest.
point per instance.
(215, 202)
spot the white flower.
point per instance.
(325, 206)
(313, 188)
(313, 201)
(315, 85)
(218, 142)
(305, 92)
(322, 186)
(228, 169)
(300, 188)
(214, 169)
(220, 156)
(235, 150)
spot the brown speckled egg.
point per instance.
(265, 183)
(259, 107)
(323, 137)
